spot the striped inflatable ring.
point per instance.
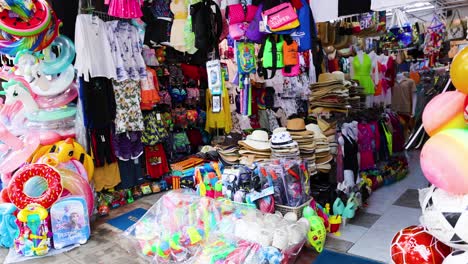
(39, 21)
(48, 198)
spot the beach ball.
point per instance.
(459, 71)
(444, 160)
(444, 111)
(413, 245)
(456, 257)
(445, 216)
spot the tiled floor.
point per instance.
(368, 234)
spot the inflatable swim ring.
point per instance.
(60, 100)
(43, 87)
(37, 23)
(49, 115)
(11, 45)
(46, 199)
(14, 157)
(63, 61)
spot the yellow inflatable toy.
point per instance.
(66, 150)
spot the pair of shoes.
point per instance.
(347, 211)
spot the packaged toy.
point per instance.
(34, 237)
(70, 222)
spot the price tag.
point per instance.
(103, 139)
(253, 196)
(158, 116)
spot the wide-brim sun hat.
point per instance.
(296, 127)
(258, 140)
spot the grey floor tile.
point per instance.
(364, 219)
(338, 244)
(410, 198)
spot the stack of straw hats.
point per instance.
(323, 157)
(330, 91)
(283, 146)
(256, 147)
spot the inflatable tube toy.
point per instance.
(60, 100)
(63, 61)
(11, 45)
(14, 158)
(21, 8)
(459, 71)
(56, 114)
(49, 137)
(38, 21)
(445, 111)
(72, 165)
(7, 76)
(77, 185)
(16, 188)
(443, 160)
(43, 87)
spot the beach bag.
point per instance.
(290, 57)
(456, 31)
(253, 33)
(401, 28)
(270, 56)
(280, 15)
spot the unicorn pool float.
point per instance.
(38, 90)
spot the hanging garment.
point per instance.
(339, 161)
(149, 90)
(127, 145)
(350, 160)
(362, 73)
(93, 51)
(128, 113)
(127, 50)
(179, 9)
(130, 173)
(125, 8)
(222, 119)
(365, 137)
(156, 161)
(402, 96)
(398, 138)
(98, 100)
(102, 147)
(155, 131)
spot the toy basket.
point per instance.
(297, 210)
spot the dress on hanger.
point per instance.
(350, 159)
(365, 137)
(180, 12)
(362, 73)
(128, 113)
(125, 8)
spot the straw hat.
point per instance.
(325, 79)
(258, 140)
(340, 76)
(296, 127)
(318, 134)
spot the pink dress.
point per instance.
(365, 138)
(125, 8)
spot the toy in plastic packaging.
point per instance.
(70, 222)
(293, 179)
(34, 237)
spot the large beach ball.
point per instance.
(459, 71)
(445, 216)
(413, 245)
(444, 160)
(444, 111)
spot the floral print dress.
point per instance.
(128, 113)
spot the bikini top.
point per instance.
(178, 94)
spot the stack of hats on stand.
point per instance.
(283, 146)
(228, 150)
(305, 140)
(330, 92)
(323, 157)
(256, 147)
